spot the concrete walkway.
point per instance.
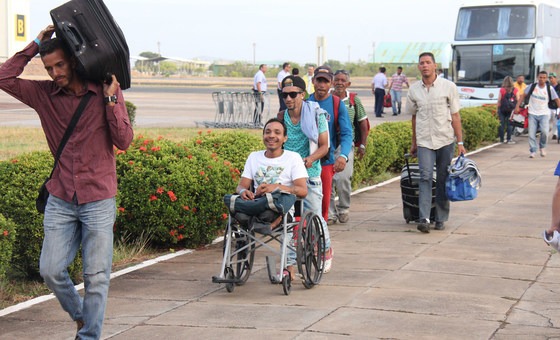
(488, 275)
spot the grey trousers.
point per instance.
(342, 185)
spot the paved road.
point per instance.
(166, 106)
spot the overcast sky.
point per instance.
(281, 30)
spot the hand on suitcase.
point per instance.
(109, 89)
(46, 34)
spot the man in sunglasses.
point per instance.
(342, 180)
(308, 135)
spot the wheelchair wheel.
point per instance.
(311, 249)
(242, 254)
(228, 273)
(286, 282)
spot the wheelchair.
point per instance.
(307, 240)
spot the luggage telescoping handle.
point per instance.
(73, 36)
(406, 157)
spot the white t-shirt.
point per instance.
(281, 75)
(538, 102)
(260, 78)
(280, 170)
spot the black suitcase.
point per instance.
(95, 39)
(410, 176)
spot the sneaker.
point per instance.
(511, 142)
(328, 260)
(424, 225)
(439, 226)
(552, 240)
(343, 218)
(532, 155)
(543, 152)
(331, 221)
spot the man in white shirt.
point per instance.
(539, 113)
(378, 85)
(284, 72)
(259, 89)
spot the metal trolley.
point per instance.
(239, 110)
(305, 236)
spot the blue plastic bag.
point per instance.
(463, 181)
(460, 190)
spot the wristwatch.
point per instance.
(111, 99)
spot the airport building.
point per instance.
(14, 27)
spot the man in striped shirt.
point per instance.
(397, 81)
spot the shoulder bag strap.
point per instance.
(70, 128)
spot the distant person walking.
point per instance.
(395, 89)
(259, 89)
(436, 126)
(520, 84)
(507, 100)
(554, 110)
(284, 72)
(378, 85)
(308, 78)
(539, 112)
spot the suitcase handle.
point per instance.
(73, 36)
(84, 27)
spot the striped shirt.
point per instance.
(397, 81)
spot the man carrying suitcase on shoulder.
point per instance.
(81, 207)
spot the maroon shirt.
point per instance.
(87, 165)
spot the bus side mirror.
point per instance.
(539, 54)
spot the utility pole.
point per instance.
(254, 53)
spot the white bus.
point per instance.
(495, 39)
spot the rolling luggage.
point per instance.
(95, 39)
(410, 176)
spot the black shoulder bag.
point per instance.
(41, 201)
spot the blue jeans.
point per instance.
(541, 123)
(396, 101)
(505, 126)
(313, 201)
(66, 226)
(426, 159)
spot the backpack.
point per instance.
(357, 131)
(551, 103)
(508, 101)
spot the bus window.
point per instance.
(495, 22)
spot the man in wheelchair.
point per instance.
(272, 171)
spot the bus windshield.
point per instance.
(496, 23)
(488, 65)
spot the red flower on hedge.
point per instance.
(153, 197)
(146, 141)
(5, 233)
(120, 152)
(180, 237)
(130, 162)
(199, 132)
(198, 141)
(155, 148)
(121, 209)
(189, 156)
(160, 190)
(172, 196)
(143, 148)
(186, 207)
(181, 227)
(224, 216)
(172, 233)
(201, 173)
(14, 161)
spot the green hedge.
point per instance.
(7, 240)
(174, 191)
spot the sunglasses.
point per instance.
(291, 94)
(341, 71)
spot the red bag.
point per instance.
(387, 100)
